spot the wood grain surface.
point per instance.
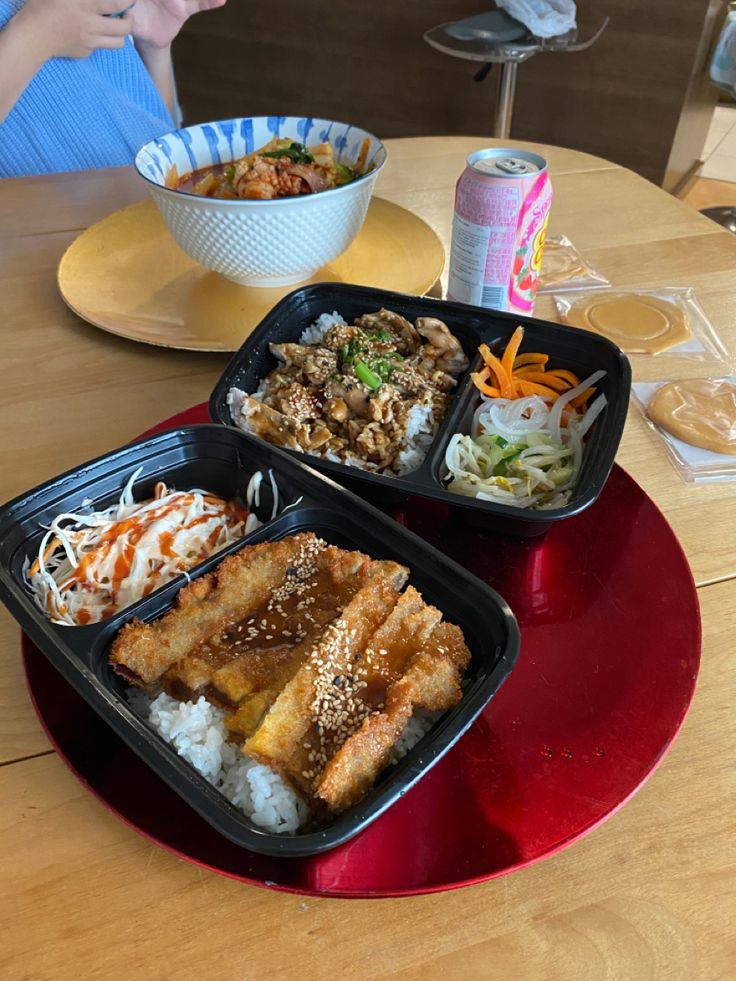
(649, 895)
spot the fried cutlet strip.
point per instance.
(431, 681)
(249, 715)
(290, 716)
(348, 689)
(263, 649)
(142, 652)
(252, 707)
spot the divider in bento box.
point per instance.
(223, 460)
(580, 351)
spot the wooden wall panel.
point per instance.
(364, 62)
(367, 63)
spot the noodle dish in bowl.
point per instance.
(264, 200)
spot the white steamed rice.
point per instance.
(418, 438)
(197, 732)
(316, 331)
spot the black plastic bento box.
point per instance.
(580, 351)
(222, 460)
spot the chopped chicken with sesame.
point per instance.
(371, 394)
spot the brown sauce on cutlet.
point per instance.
(344, 701)
(263, 641)
(380, 668)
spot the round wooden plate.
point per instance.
(610, 649)
(127, 275)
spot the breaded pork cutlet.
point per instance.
(291, 717)
(431, 681)
(315, 651)
(351, 702)
(380, 583)
(256, 652)
(255, 639)
(239, 587)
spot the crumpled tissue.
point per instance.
(544, 18)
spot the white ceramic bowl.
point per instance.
(260, 243)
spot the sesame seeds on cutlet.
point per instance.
(337, 709)
(300, 578)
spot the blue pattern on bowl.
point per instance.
(219, 142)
(303, 129)
(246, 134)
(212, 142)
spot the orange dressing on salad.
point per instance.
(123, 563)
(166, 542)
(120, 540)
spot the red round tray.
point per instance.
(610, 631)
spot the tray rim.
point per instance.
(535, 521)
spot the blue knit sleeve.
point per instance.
(81, 113)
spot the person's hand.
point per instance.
(73, 28)
(157, 22)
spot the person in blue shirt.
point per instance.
(85, 83)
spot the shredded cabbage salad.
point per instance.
(90, 566)
(523, 452)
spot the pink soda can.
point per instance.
(502, 203)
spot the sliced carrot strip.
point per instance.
(515, 375)
(502, 379)
(527, 359)
(569, 376)
(512, 349)
(546, 378)
(529, 369)
(49, 550)
(532, 388)
(482, 387)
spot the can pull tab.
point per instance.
(510, 166)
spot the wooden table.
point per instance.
(648, 895)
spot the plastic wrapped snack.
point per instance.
(667, 320)
(563, 268)
(695, 418)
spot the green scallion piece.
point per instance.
(296, 152)
(368, 377)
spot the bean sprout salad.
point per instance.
(524, 450)
(90, 566)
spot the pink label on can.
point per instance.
(497, 235)
(530, 234)
(496, 208)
